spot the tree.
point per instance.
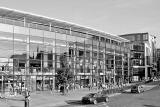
(64, 73)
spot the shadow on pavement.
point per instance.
(74, 102)
(150, 106)
(127, 92)
(15, 106)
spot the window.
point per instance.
(107, 40)
(102, 39)
(145, 37)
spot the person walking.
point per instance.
(67, 88)
(89, 87)
(62, 89)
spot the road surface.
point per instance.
(149, 98)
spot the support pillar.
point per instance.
(74, 62)
(98, 64)
(146, 72)
(54, 65)
(104, 64)
(53, 72)
(128, 60)
(27, 82)
(145, 64)
(91, 66)
(114, 70)
(122, 68)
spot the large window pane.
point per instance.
(6, 45)
(49, 49)
(6, 64)
(6, 28)
(61, 43)
(19, 45)
(60, 36)
(49, 41)
(6, 36)
(35, 39)
(21, 30)
(71, 38)
(36, 47)
(36, 32)
(88, 44)
(20, 54)
(20, 37)
(48, 34)
(6, 53)
(61, 50)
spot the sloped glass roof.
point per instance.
(19, 15)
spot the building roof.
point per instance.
(130, 34)
(19, 15)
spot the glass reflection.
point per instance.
(20, 46)
(48, 34)
(36, 47)
(6, 45)
(40, 53)
(35, 39)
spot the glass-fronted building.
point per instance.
(143, 55)
(158, 61)
(33, 48)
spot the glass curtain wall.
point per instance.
(30, 57)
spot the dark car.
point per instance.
(137, 89)
(95, 98)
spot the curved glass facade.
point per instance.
(31, 54)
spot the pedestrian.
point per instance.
(89, 87)
(67, 88)
(10, 89)
(62, 89)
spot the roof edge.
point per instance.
(66, 22)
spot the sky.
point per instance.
(111, 16)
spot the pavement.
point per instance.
(47, 99)
(51, 99)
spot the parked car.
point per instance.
(137, 89)
(148, 81)
(95, 98)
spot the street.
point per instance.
(149, 98)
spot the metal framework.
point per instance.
(38, 43)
